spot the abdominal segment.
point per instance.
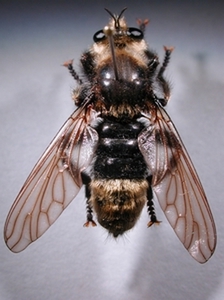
(118, 202)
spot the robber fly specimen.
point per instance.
(121, 144)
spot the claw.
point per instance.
(89, 222)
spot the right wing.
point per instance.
(177, 186)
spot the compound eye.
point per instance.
(135, 33)
(99, 36)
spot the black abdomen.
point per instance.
(118, 155)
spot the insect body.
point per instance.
(122, 145)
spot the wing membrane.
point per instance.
(177, 186)
(53, 183)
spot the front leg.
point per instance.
(160, 78)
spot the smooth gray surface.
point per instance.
(72, 262)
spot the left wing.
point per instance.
(53, 183)
(177, 186)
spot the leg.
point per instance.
(142, 24)
(88, 64)
(161, 80)
(89, 216)
(153, 62)
(68, 64)
(151, 209)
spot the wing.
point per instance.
(54, 181)
(177, 186)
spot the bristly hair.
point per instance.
(116, 18)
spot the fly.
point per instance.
(122, 145)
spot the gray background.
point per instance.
(69, 261)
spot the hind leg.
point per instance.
(150, 207)
(89, 209)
